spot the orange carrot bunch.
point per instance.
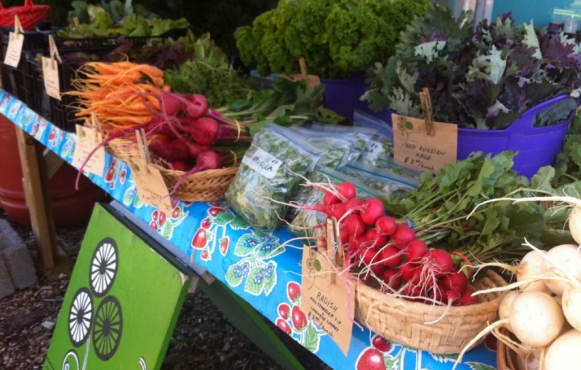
(120, 94)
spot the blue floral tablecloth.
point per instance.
(255, 265)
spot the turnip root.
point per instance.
(563, 259)
(571, 303)
(564, 353)
(529, 267)
(535, 318)
(506, 305)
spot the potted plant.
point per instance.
(502, 84)
(339, 40)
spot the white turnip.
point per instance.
(562, 260)
(565, 352)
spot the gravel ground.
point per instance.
(203, 338)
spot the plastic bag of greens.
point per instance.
(383, 180)
(304, 222)
(380, 148)
(360, 136)
(336, 149)
(270, 170)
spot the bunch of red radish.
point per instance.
(387, 254)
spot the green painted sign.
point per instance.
(121, 305)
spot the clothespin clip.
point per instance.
(18, 30)
(76, 22)
(54, 52)
(143, 149)
(427, 108)
(334, 250)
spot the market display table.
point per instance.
(259, 267)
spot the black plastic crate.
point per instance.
(61, 113)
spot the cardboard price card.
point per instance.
(150, 186)
(87, 139)
(14, 50)
(50, 72)
(414, 148)
(328, 298)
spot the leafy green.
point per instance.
(568, 167)
(336, 37)
(482, 77)
(116, 19)
(441, 205)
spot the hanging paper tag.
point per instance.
(87, 139)
(51, 77)
(14, 50)
(15, 43)
(263, 163)
(372, 150)
(414, 148)
(326, 297)
(151, 188)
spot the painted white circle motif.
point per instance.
(103, 267)
(80, 316)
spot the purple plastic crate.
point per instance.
(343, 96)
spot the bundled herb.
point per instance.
(440, 207)
(269, 175)
(481, 79)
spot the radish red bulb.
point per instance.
(336, 210)
(415, 250)
(195, 149)
(372, 209)
(354, 204)
(180, 150)
(456, 281)
(402, 236)
(347, 190)
(330, 198)
(392, 278)
(407, 271)
(354, 223)
(377, 268)
(203, 130)
(386, 225)
(377, 240)
(180, 166)
(466, 299)
(390, 256)
(369, 255)
(438, 262)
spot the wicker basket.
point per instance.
(204, 186)
(29, 14)
(505, 357)
(403, 321)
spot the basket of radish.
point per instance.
(196, 150)
(406, 292)
(539, 326)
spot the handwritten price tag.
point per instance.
(150, 186)
(14, 49)
(51, 77)
(414, 148)
(327, 298)
(87, 139)
(263, 163)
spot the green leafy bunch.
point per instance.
(117, 19)
(448, 213)
(482, 78)
(336, 37)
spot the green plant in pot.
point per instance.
(489, 78)
(337, 38)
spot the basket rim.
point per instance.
(431, 310)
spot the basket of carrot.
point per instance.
(196, 151)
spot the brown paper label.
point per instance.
(151, 188)
(51, 77)
(328, 298)
(414, 148)
(87, 139)
(14, 49)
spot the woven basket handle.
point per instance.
(1, 6)
(28, 3)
